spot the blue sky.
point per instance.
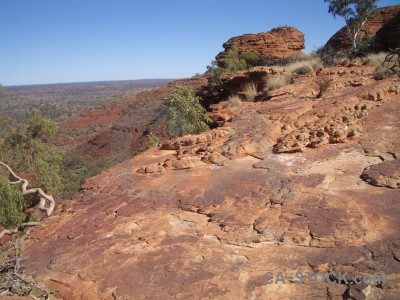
(52, 41)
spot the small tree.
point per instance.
(252, 59)
(354, 12)
(233, 62)
(11, 204)
(214, 76)
(184, 113)
(27, 148)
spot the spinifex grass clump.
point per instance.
(323, 84)
(233, 101)
(250, 91)
(278, 81)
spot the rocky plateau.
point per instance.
(293, 184)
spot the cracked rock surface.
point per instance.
(278, 188)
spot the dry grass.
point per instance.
(324, 83)
(250, 91)
(374, 59)
(382, 72)
(305, 66)
(278, 81)
(233, 101)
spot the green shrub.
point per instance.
(214, 74)
(382, 72)
(184, 113)
(76, 168)
(232, 62)
(250, 91)
(233, 101)
(27, 149)
(252, 59)
(153, 141)
(11, 204)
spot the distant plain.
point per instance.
(66, 100)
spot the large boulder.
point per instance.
(277, 44)
(383, 25)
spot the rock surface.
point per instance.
(384, 23)
(208, 216)
(277, 44)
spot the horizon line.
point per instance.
(94, 81)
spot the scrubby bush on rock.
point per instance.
(184, 113)
(252, 59)
(27, 149)
(214, 72)
(11, 204)
(233, 62)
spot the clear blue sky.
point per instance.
(52, 41)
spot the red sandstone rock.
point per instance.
(277, 44)
(208, 216)
(384, 23)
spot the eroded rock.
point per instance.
(277, 44)
(215, 212)
(385, 174)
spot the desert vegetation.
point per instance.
(374, 59)
(75, 169)
(11, 204)
(249, 91)
(382, 72)
(184, 113)
(232, 63)
(304, 64)
(153, 140)
(28, 151)
(233, 101)
(278, 81)
(331, 57)
(323, 83)
(354, 12)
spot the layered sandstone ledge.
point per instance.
(277, 44)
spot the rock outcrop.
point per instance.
(207, 216)
(277, 44)
(384, 24)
